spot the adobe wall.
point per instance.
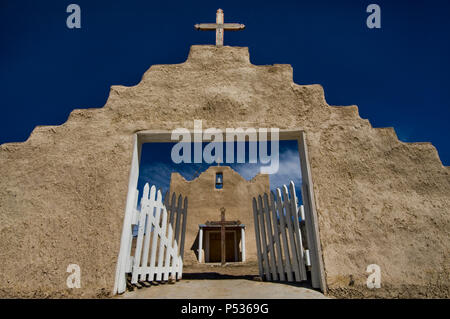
(205, 202)
(379, 200)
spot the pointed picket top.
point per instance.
(183, 229)
(177, 222)
(266, 201)
(286, 198)
(294, 200)
(273, 200)
(185, 203)
(260, 201)
(286, 195)
(159, 207)
(166, 198)
(273, 206)
(146, 190)
(162, 240)
(278, 191)
(292, 187)
(281, 202)
(286, 191)
(144, 198)
(159, 196)
(276, 196)
(172, 209)
(152, 192)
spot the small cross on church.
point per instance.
(220, 27)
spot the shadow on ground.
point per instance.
(221, 276)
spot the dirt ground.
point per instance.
(223, 289)
(234, 281)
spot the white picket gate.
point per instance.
(279, 258)
(157, 253)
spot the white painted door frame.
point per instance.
(164, 136)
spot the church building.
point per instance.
(220, 189)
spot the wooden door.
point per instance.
(229, 246)
(214, 247)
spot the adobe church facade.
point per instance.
(379, 201)
(220, 187)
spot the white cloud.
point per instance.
(288, 170)
(247, 171)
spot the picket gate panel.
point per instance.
(279, 259)
(156, 239)
(257, 237)
(270, 239)
(276, 234)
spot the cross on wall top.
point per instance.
(219, 27)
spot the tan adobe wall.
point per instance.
(379, 200)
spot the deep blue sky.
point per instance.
(398, 76)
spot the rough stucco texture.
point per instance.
(379, 200)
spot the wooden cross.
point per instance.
(223, 223)
(222, 236)
(220, 27)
